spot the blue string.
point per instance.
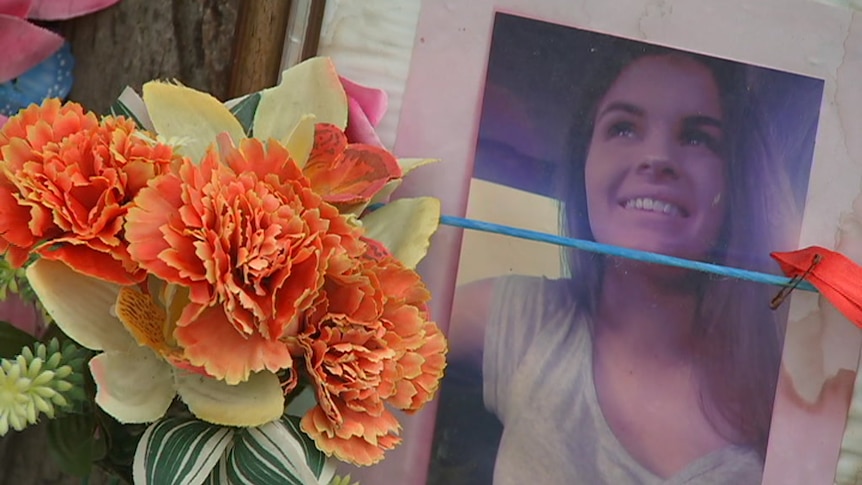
(645, 256)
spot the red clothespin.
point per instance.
(794, 282)
(837, 277)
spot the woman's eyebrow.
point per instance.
(621, 106)
(635, 110)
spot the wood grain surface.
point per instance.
(139, 40)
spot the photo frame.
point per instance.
(531, 139)
(442, 112)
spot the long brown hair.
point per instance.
(740, 337)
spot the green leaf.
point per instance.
(123, 440)
(345, 480)
(179, 451)
(73, 443)
(277, 452)
(245, 110)
(12, 340)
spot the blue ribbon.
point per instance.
(645, 256)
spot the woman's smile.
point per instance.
(655, 205)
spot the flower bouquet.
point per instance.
(232, 299)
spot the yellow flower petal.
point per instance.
(301, 140)
(405, 227)
(134, 386)
(382, 196)
(80, 304)
(179, 112)
(310, 87)
(254, 402)
(408, 164)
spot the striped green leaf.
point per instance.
(180, 451)
(245, 110)
(219, 473)
(314, 458)
(277, 452)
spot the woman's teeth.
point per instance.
(653, 205)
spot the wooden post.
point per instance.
(260, 33)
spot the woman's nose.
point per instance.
(659, 166)
(658, 157)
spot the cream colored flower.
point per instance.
(137, 374)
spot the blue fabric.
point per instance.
(50, 79)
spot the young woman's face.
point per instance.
(655, 173)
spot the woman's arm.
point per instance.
(471, 309)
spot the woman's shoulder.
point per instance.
(546, 293)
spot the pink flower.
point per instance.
(25, 45)
(22, 315)
(365, 109)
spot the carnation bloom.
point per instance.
(368, 341)
(247, 236)
(67, 181)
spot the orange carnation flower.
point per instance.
(360, 438)
(368, 341)
(248, 237)
(420, 345)
(66, 182)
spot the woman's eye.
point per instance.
(700, 138)
(621, 129)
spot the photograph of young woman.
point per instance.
(626, 372)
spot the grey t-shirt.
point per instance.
(538, 379)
